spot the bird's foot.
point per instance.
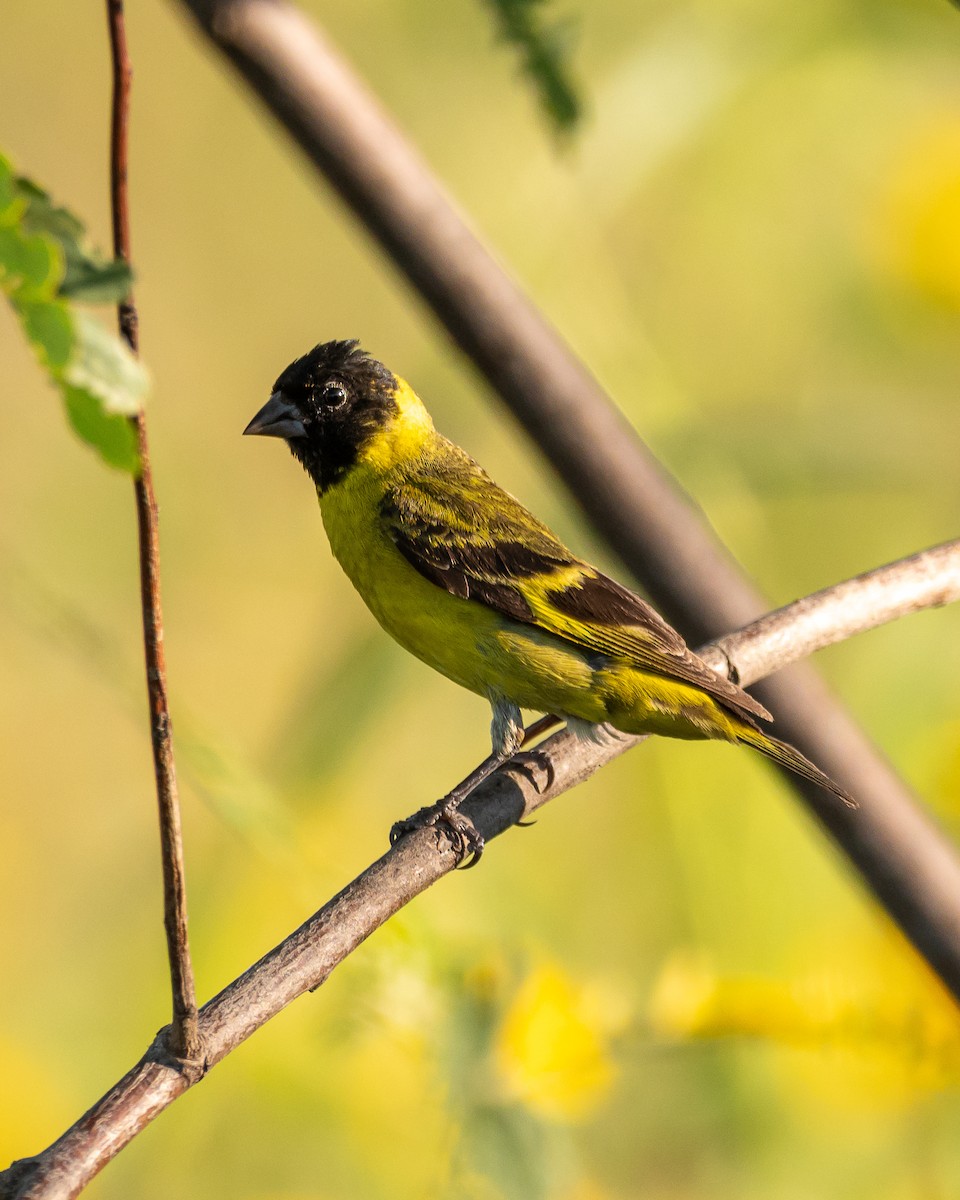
(464, 837)
(460, 831)
(530, 763)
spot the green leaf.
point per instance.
(102, 365)
(47, 267)
(110, 433)
(87, 282)
(41, 215)
(8, 191)
(29, 263)
(545, 55)
(50, 331)
(88, 276)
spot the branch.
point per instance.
(184, 1036)
(638, 507)
(306, 958)
(929, 579)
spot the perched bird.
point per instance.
(464, 577)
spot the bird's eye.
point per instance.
(334, 395)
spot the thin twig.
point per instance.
(184, 1034)
(925, 580)
(306, 958)
(640, 509)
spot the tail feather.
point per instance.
(787, 756)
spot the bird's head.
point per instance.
(327, 406)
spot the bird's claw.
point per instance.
(421, 819)
(446, 817)
(526, 761)
(465, 839)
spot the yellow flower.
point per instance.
(884, 1032)
(552, 1049)
(916, 233)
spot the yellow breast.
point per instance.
(465, 640)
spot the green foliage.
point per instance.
(545, 54)
(46, 268)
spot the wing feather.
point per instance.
(462, 532)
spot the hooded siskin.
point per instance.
(464, 577)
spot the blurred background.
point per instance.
(671, 987)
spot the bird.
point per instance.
(458, 572)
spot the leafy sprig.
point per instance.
(47, 269)
(545, 50)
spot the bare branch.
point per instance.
(925, 580)
(640, 509)
(305, 959)
(184, 1036)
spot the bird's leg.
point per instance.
(506, 734)
(526, 760)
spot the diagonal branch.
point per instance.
(641, 510)
(184, 1037)
(307, 957)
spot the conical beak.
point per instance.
(277, 418)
